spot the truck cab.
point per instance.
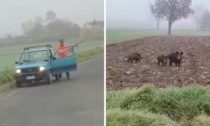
(39, 63)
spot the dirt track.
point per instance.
(195, 68)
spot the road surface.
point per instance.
(75, 102)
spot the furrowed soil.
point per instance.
(195, 67)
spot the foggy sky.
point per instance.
(15, 12)
(135, 14)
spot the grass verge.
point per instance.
(119, 117)
(7, 76)
(187, 106)
(85, 55)
(6, 80)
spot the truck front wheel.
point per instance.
(18, 84)
(57, 77)
(49, 78)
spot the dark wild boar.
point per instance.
(134, 57)
(176, 58)
(162, 59)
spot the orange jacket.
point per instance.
(62, 51)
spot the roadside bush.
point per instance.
(6, 76)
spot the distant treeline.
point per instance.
(50, 29)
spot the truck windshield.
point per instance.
(34, 56)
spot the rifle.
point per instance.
(76, 45)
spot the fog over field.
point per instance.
(136, 14)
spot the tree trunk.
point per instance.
(169, 27)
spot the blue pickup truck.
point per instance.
(39, 63)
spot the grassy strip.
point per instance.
(7, 76)
(6, 80)
(119, 117)
(7, 86)
(186, 106)
(82, 56)
(120, 35)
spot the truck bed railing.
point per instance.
(47, 46)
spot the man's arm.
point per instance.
(67, 48)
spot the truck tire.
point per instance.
(57, 77)
(18, 84)
(60, 76)
(68, 75)
(49, 78)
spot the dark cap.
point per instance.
(61, 40)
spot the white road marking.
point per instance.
(12, 93)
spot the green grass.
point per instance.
(6, 76)
(6, 80)
(7, 86)
(85, 55)
(184, 106)
(119, 117)
(119, 35)
(202, 120)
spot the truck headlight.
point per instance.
(18, 71)
(41, 68)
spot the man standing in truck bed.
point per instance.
(62, 51)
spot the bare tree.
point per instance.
(172, 10)
(39, 19)
(51, 16)
(27, 26)
(197, 15)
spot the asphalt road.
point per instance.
(75, 102)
